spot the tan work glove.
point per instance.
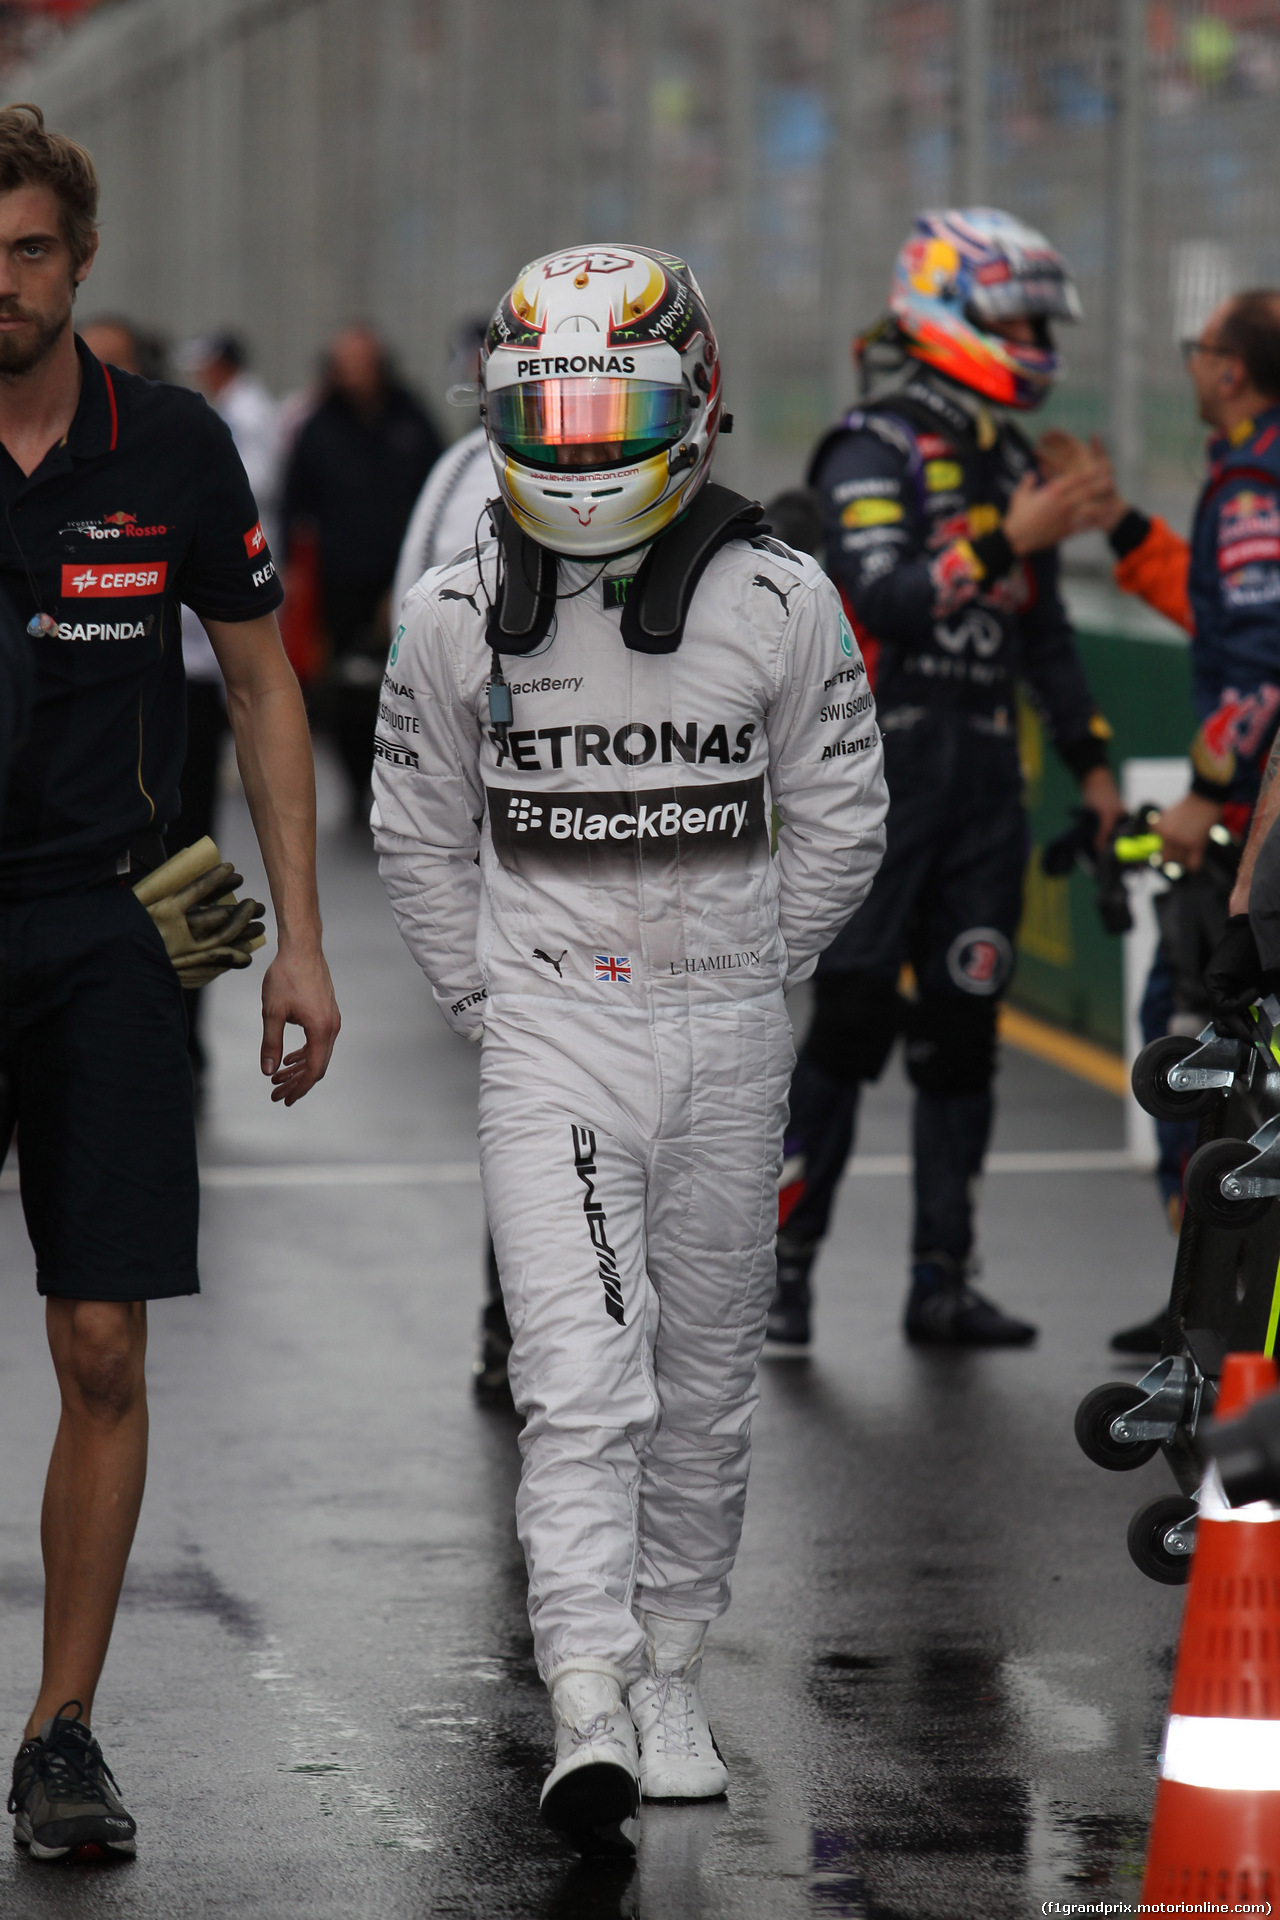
(205, 929)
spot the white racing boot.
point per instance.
(595, 1784)
(678, 1756)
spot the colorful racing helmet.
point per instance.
(961, 271)
(601, 396)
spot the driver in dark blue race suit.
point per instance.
(941, 538)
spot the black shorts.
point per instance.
(93, 1046)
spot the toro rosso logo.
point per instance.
(113, 526)
(113, 583)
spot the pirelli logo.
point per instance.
(393, 753)
(87, 582)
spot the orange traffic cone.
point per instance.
(1216, 1831)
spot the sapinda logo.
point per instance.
(255, 540)
(113, 583)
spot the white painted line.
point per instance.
(341, 1758)
(1066, 1160)
(441, 1173)
(465, 1173)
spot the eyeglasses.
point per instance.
(1190, 348)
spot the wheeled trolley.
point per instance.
(1225, 1295)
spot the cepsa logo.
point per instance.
(255, 540)
(113, 583)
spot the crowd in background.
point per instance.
(335, 469)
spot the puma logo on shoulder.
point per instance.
(538, 954)
(763, 580)
(449, 593)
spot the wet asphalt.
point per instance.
(940, 1686)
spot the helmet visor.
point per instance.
(586, 422)
(1042, 293)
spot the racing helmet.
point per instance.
(964, 269)
(601, 396)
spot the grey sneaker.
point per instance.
(64, 1794)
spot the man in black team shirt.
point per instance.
(119, 499)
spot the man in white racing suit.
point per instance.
(446, 514)
(585, 737)
(447, 519)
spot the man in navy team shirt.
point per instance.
(119, 499)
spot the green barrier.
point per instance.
(1069, 970)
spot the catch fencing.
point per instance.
(282, 165)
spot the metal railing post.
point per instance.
(738, 319)
(461, 63)
(647, 32)
(571, 115)
(1124, 315)
(847, 298)
(973, 62)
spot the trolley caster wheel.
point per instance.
(1206, 1169)
(1150, 1082)
(1156, 1546)
(1094, 1418)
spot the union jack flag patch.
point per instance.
(613, 967)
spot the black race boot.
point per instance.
(789, 1310)
(1146, 1337)
(491, 1385)
(943, 1310)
